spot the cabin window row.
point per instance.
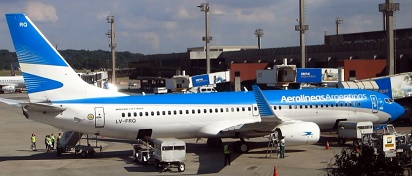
(193, 111)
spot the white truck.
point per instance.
(356, 131)
(169, 152)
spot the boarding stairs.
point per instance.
(70, 139)
(273, 144)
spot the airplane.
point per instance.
(58, 97)
(10, 84)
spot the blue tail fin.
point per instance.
(47, 75)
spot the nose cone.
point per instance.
(397, 111)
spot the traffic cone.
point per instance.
(327, 145)
(275, 172)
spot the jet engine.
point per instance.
(298, 133)
(8, 89)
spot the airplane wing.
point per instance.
(222, 126)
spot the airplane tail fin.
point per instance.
(47, 75)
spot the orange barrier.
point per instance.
(327, 145)
(275, 172)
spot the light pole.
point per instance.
(338, 22)
(388, 9)
(111, 35)
(204, 7)
(259, 33)
(302, 28)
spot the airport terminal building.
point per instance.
(354, 52)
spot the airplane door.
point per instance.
(255, 111)
(374, 101)
(99, 117)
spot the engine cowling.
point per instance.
(8, 89)
(299, 133)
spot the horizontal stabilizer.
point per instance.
(42, 107)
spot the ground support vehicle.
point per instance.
(169, 153)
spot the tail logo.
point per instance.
(36, 83)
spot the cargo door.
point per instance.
(99, 117)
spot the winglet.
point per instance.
(265, 111)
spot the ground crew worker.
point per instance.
(226, 151)
(49, 143)
(45, 141)
(282, 147)
(33, 142)
(60, 136)
(53, 139)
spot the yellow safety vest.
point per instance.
(226, 149)
(33, 139)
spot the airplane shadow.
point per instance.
(210, 160)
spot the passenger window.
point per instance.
(280, 107)
(221, 109)
(199, 111)
(331, 105)
(180, 112)
(129, 114)
(274, 107)
(233, 109)
(123, 114)
(169, 112)
(249, 109)
(227, 109)
(135, 114)
(205, 111)
(163, 113)
(210, 110)
(141, 113)
(310, 106)
(306, 106)
(290, 106)
(327, 105)
(237, 109)
(316, 106)
(243, 108)
(321, 105)
(295, 106)
(146, 113)
(300, 106)
(255, 108)
(193, 111)
(158, 113)
(174, 112)
(152, 113)
(216, 110)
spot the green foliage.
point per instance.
(350, 162)
(80, 59)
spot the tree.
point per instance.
(363, 163)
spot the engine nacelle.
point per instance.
(8, 89)
(299, 133)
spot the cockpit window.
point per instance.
(388, 100)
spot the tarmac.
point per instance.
(17, 158)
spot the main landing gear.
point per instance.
(239, 146)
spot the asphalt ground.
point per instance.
(16, 157)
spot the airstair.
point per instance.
(70, 139)
(273, 144)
